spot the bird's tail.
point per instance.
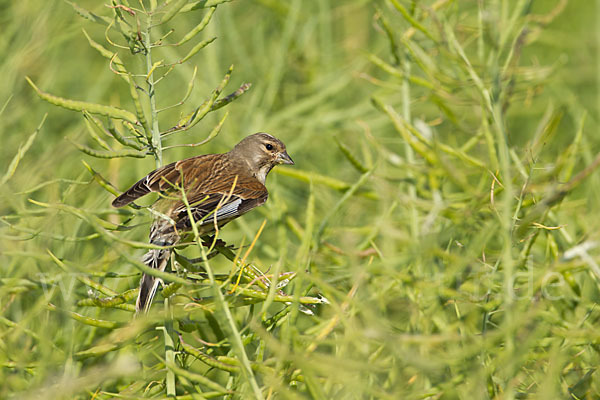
(161, 234)
(157, 259)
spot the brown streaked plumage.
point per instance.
(218, 187)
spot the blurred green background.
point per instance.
(441, 284)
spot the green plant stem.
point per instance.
(157, 150)
(169, 350)
(507, 227)
(156, 141)
(410, 156)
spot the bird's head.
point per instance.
(262, 152)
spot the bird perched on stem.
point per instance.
(218, 189)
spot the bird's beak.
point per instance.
(284, 158)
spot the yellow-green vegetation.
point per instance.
(437, 238)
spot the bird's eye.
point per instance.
(269, 146)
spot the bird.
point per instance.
(218, 189)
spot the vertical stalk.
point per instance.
(506, 214)
(410, 156)
(157, 146)
(480, 27)
(169, 350)
(598, 64)
(156, 141)
(507, 24)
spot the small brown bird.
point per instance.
(218, 188)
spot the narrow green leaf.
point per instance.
(90, 15)
(93, 129)
(199, 113)
(231, 97)
(385, 24)
(188, 92)
(422, 58)
(96, 351)
(117, 301)
(294, 227)
(309, 226)
(196, 49)
(23, 148)
(569, 157)
(411, 20)
(139, 110)
(306, 176)
(545, 134)
(101, 180)
(203, 4)
(169, 350)
(116, 62)
(398, 123)
(99, 323)
(208, 360)
(198, 28)
(174, 8)
(194, 377)
(170, 290)
(114, 132)
(350, 157)
(5, 104)
(248, 294)
(92, 108)
(399, 74)
(215, 131)
(109, 154)
(445, 148)
(52, 182)
(117, 338)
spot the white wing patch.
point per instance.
(229, 210)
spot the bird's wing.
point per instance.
(212, 185)
(166, 177)
(219, 196)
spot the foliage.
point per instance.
(435, 239)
